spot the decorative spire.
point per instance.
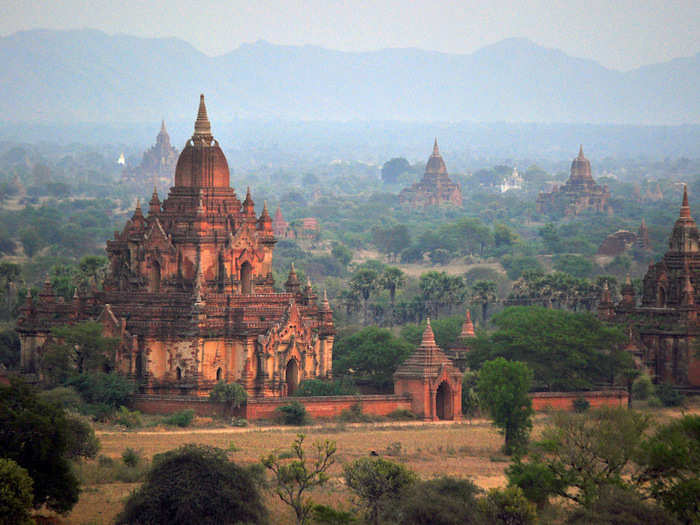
(137, 210)
(685, 208)
(162, 126)
(467, 327)
(688, 290)
(249, 205)
(436, 150)
(580, 152)
(202, 126)
(428, 336)
(325, 305)
(292, 283)
(154, 205)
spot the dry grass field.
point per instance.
(468, 450)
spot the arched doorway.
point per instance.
(218, 374)
(443, 402)
(246, 278)
(178, 373)
(292, 376)
(155, 277)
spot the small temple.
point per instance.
(664, 326)
(580, 193)
(157, 166)
(458, 351)
(434, 383)
(624, 240)
(190, 295)
(435, 188)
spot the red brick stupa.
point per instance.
(189, 292)
(433, 382)
(435, 188)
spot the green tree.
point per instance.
(670, 467)
(508, 506)
(342, 253)
(35, 435)
(483, 293)
(295, 477)
(84, 345)
(550, 237)
(9, 275)
(9, 348)
(504, 237)
(391, 169)
(575, 265)
(440, 501)
(371, 354)
(566, 351)
(364, 282)
(16, 494)
(620, 506)
(503, 389)
(196, 484)
(378, 484)
(392, 279)
(233, 394)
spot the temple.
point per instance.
(664, 327)
(189, 292)
(579, 194)
(458, 351)
(435, 188)
(623, 240)
(157, 166)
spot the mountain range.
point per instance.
(89, 76)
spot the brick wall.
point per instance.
(565, 400)
(169, 404)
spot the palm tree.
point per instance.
(392, 279)
(483, 293)
(364, 282)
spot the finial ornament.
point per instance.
(580, 151)
(436, 150)
(202, 126)
(685, 207)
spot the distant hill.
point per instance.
(89, 76)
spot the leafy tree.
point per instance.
(294, 478)
(391, 169)
(233, 394)
(292, 414)
(483, 293)
(392, 279)
(670, 467)
(35, 435)
(515, 265)
(574, 265)
(378, 484)
(317, 387)
(503, 389)
(84, 346)
(372, 354)
(30, 239)
(619, 506)
(550, 237)
(391, 240)
(446, 331)
(585, 452)
(9, 348)
(364, 282)
(342, 253)
(508, 506)
(9, 275)
(441, 501)
(15, 494)
(195, 484)
(81, 441)
(566, 351)
(325, 515)
(112, 390)
(504, 237)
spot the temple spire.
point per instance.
(436, 150)
(162, 126)
(685, 207)
(467, 326)
(202, 126)
(428, 336)
(580, 151)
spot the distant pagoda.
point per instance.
(435, 188)
(157, 166)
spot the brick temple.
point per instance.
(157, 165)
(435, 188)
(664, 327)
(580, 193)
(189, 292)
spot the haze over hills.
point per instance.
(89, 76)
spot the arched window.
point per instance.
(218, 374)
(246, 278)
(178, 373)
(292, 376)
(154, 285)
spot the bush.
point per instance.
(16, 494)
(402, 414)
(64, 396)
(317, 387)
(617, 506)
(183, 418)
(112, 390)
(669, 396)
(581, 404)
(131, 457)
(642, 388)
(354, 414)
(508, 506)
(127, 418)
(536, 480)
(325, 515)
(233, 394)
(292, 414)
(442, 501)
(81, 441)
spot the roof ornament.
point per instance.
(202, 126)
(685, 207)
(436, 150)
(428, 335)
(580, 151)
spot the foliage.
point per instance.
(195, 484)
(508, 506)
(470, 396)
(669, 396)
(81, 441)
(233, 394)
(483, 293)
(585, 452)
(112, 390)
(64, 396)
(292, 414)
(401, 414)
(575, 265)
(446, 331)
(317, 387)
(182, 419)
(127, 418)
(378, 484)
(15, 494)
(670, 467)
(9, 348)
(442, 291)
(503, 389)
(131, 457)
(441, 501)
(515, 265)
(581, 404)
(537, 481)
(294, 478)
(35, 434)
(566, 351)
(391, 169)
(342, 253)
(619, 506)
(325, 515)
(354, 414)
(84, 347)
(371, 354)
(642, 388)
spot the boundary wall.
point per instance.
(542, 401)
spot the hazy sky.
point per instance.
(620, 34)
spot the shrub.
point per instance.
(581, 404)
(233, 394)
(402, 414)
(536, 480)
(354, 414)
(325, 515)
(442, 501)
(617, 506)
(642, 388)
(669, 396)
(131, 457)
(113, 389)
(292, 414)
(183, 418)
(16, 494)
(64, 396)
(317, 387)
(81, 441)
(508, 506)
(127, 418)
(393, 449)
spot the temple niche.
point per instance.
(435, 188)
(664, 327)
(157, 166)
(189, 292)
(578, 195)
